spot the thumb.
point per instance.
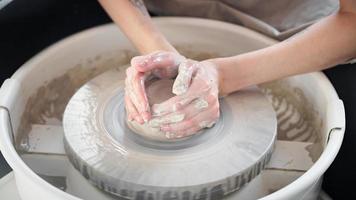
(156, 60)
(184, 78)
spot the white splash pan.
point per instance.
(227, 39)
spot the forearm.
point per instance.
(135, 22)
(325, 44)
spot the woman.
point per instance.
(328, 42)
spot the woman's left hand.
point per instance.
(196, 105)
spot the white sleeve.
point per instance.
(3, 3)
(352, 61)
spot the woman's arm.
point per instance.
(135, 22)
(325, 44)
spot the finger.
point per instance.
(128, 108)
(198, 88)
(137, 93)
(132, 113)
(194, 108)
(171, 118)
(179, 102)
(185, 133)
(172, 105)
(188, 132)
(203, 119)
(185, 73)
(156, 60)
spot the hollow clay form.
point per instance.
(157, 91)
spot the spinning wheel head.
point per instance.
(217, 161)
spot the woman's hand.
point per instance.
(159, 64)
(196, 104)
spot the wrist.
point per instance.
(218, 63)
(155, 42)
(233, 73)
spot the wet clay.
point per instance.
(157, 92)
(297, 119)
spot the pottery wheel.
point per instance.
(208, 165)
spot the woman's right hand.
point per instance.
(160, 64)
(196, 101)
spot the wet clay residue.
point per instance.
(297, 119)
(314, 150)
(47, 104)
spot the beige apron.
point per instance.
(276, 18)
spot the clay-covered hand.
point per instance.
(159, 64)
(196, 105)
